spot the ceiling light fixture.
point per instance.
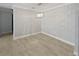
(40, 15)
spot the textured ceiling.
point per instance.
(32, 6)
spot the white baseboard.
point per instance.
(19, 37)
(67, 42)
(59, 39)
(5, 33)
(75, 53)
(45, 34)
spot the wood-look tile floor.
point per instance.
(35, 45)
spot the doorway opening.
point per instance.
(6, 23)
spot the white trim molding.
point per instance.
(67, 42)
(21, 7)
(19, 37)
(58, 38)
(49, 9)
(75, 53)
(5, 33)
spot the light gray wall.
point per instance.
(5, 20)
(0, 24)
(77, 29)
(60, 22)
(25, 22)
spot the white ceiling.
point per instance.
(32, 6)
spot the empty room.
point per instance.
(39, 29)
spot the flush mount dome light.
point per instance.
(39, 15)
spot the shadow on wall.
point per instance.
(5, 20)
